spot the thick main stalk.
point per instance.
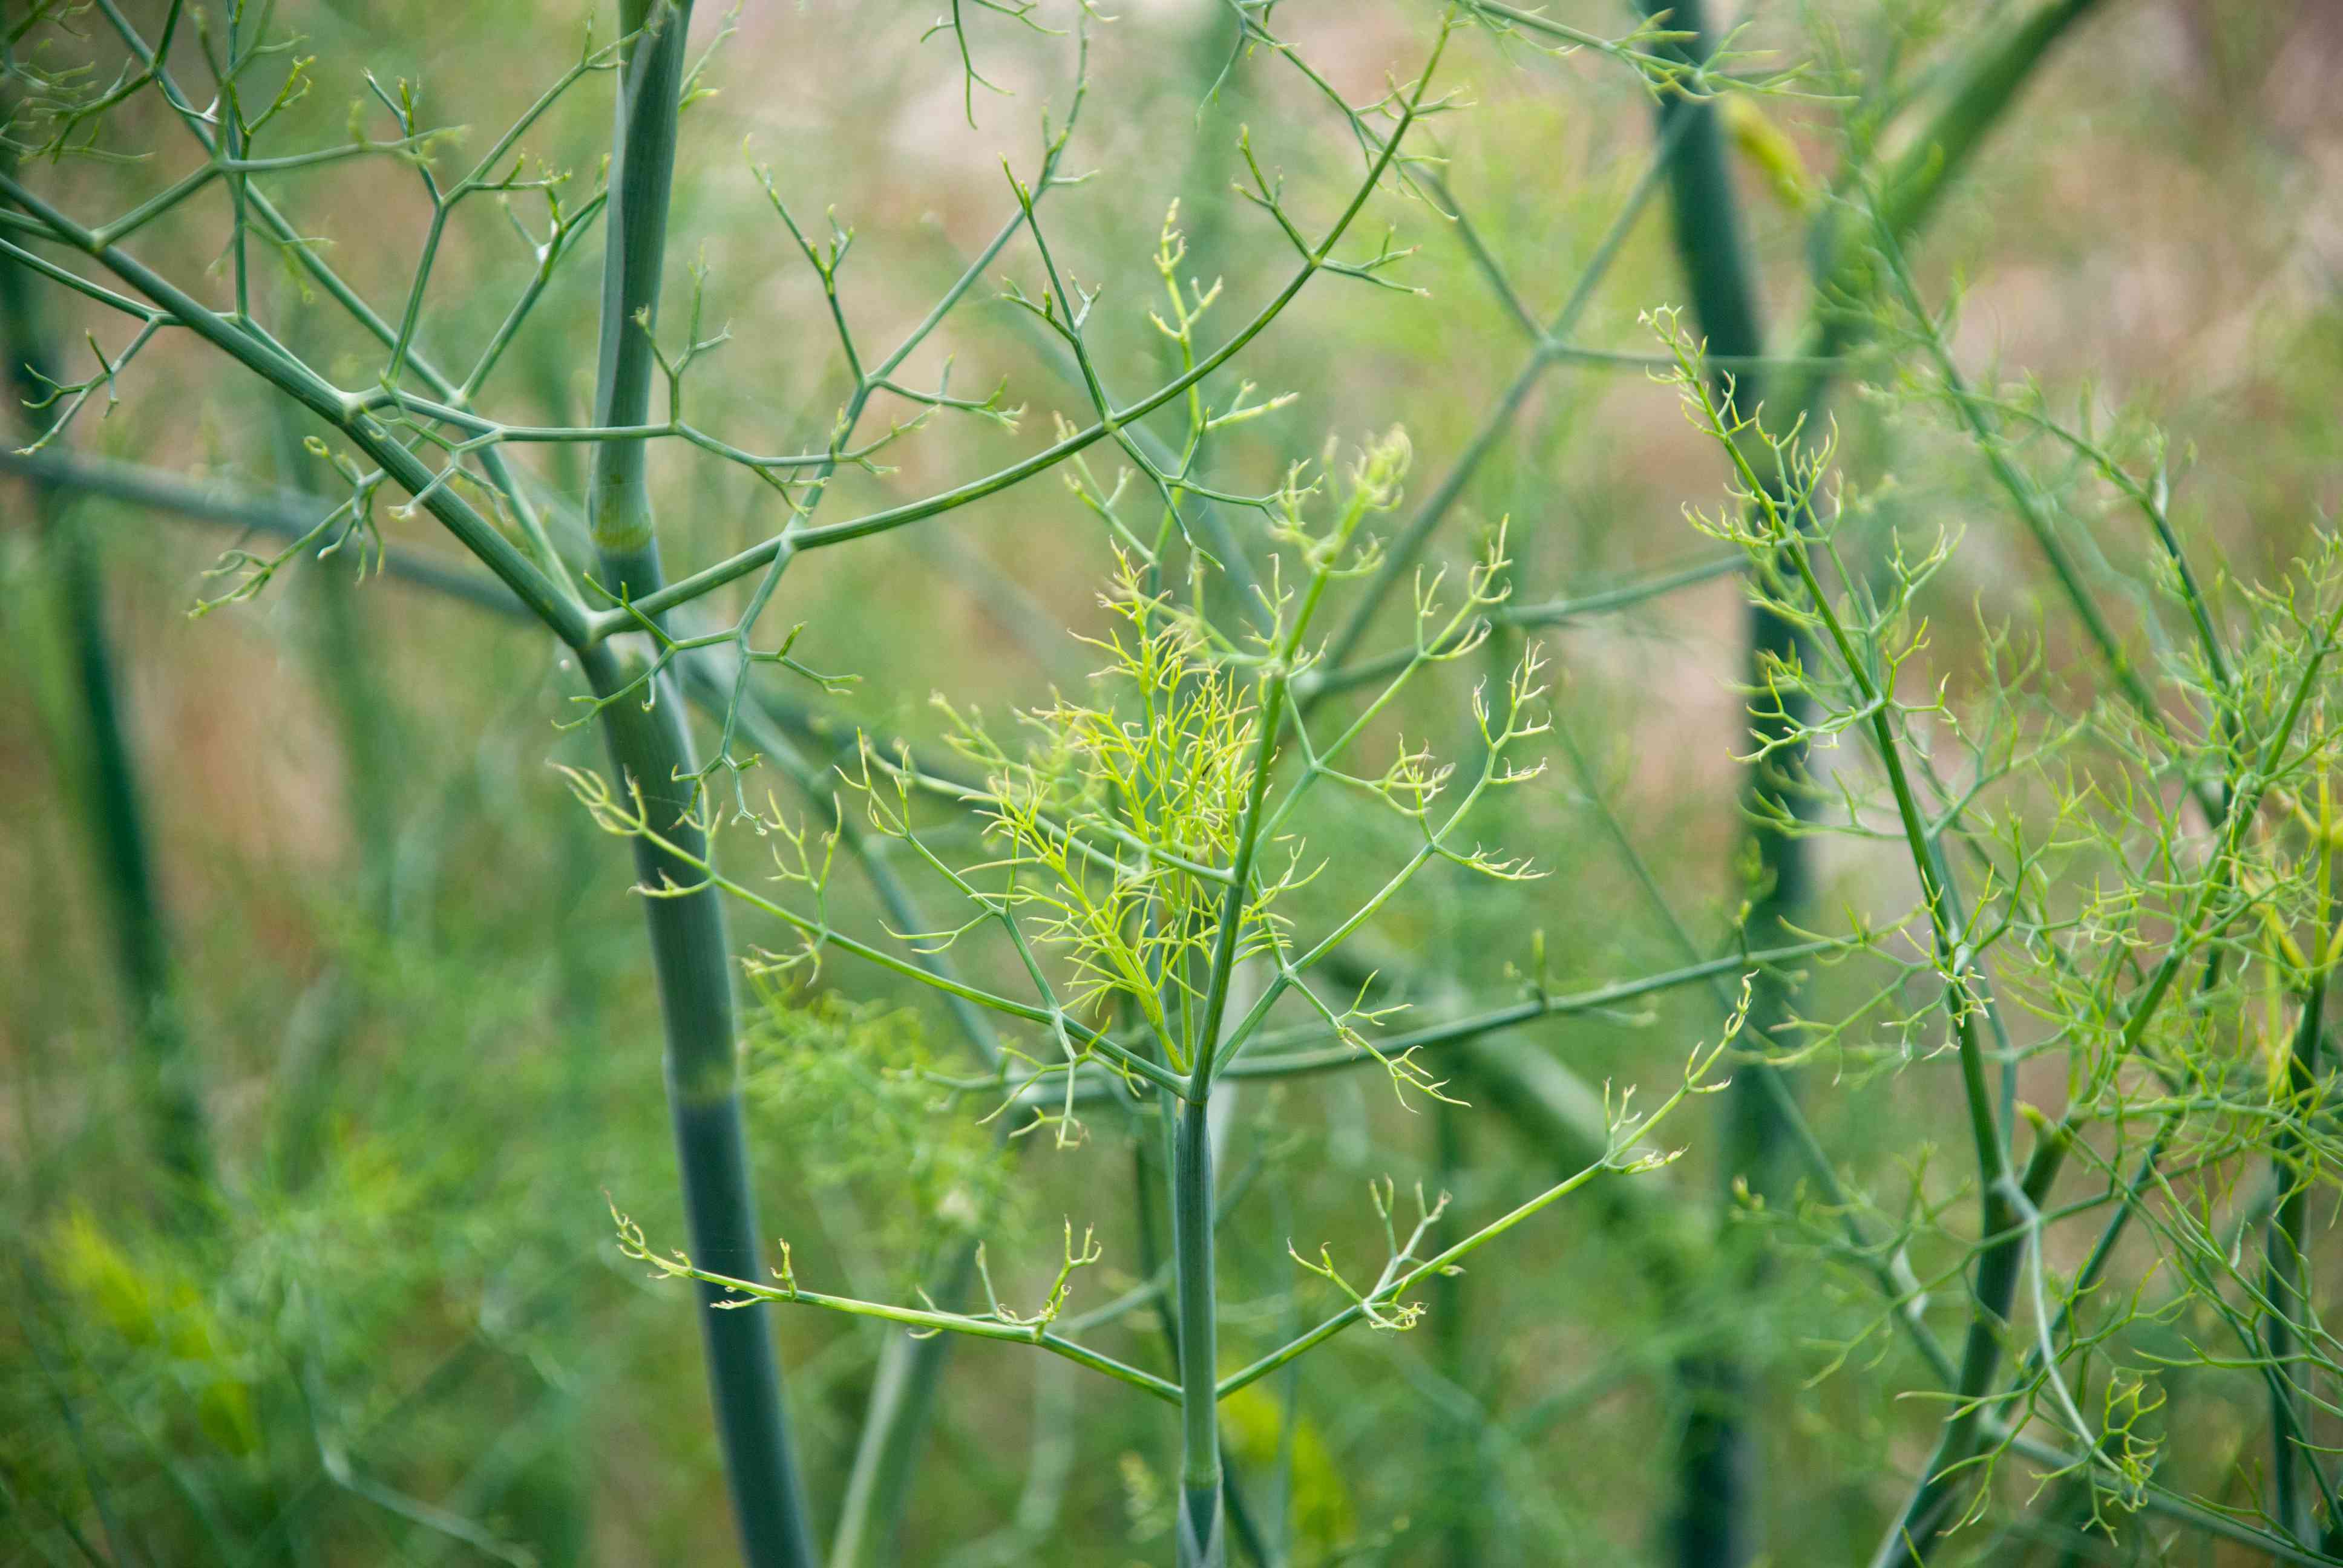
(169, 1082)
(1714, 1524)
(650, 751)
(1201, 1532)
(691, 958)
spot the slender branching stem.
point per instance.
(552, 604)
(1131, 886)
(1545, 351)
(1314, 259)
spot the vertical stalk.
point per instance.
(1201, 1543)
(1712, 1525)
(691, 956)
(642, 179)
(1713, 1457)
(169, 1084)
(650, 751)
(894, 1426)
(1246, 1532)
(2011, 1206)
(2284, 1287)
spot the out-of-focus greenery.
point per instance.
(395, 1327)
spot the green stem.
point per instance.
(691, 957)
(796, 540)
(894, 1425)
(2033, 509)
(551, 603)
(1912, 190)
(650, 751)
(901, 1402)
(168, 1078)
(1408, 545)
(2009, 1207)
(1714, 1523)
(2011, 1216)
(2284, 1286)
(642, 180)
(1201, 1531)
(2010, 1204)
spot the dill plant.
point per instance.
(1140, 846)
(1159, 890)
(2158, 973)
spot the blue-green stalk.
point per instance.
(642, 180)
(169, 1082)
(2286, 1289)
(691, 956)
(1713, 1522)
(651, 750)
(2009, 1203)
(1201, 1532)
(1202, 1529)
(895, 1424)
(1193, 1322)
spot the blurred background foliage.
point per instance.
(411, 974)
